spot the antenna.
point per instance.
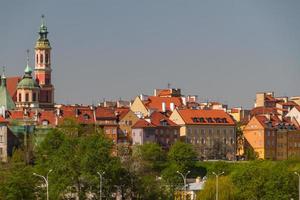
(169, 85)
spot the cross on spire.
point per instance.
(43, 19)
(27, 57)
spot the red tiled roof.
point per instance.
(263, 110)
(157, 117)
(12, 83)
(141, 123)
(105, 113)
(164, 92)
(2, 120)
(155, 103)
(122, 112)
(274, 120)
(206, 117)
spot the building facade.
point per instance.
(212, 132)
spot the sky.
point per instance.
(219, 50)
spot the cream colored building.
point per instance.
(212, 132)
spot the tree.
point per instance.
(149, 158)
(183, 155)
(265, 180)
(75, 160)
(17, 181)
(227, 190)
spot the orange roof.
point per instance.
(141, 123)
(2, 120)
(263, 110)
(122, 112)
(155, 103)
(217, 117)
(274, 120)
(164, 93)
(105, 113)
(12, 83)
(156, 119)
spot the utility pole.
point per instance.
(101, 173)
(184, 182)
(46, 181)
(298, 184)
(217, 184)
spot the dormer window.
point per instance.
(45, 122)
(86, 117)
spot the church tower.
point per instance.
(43, 68)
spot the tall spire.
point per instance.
(43, 20)
(3, 78)
(43, 28)
(28, 69)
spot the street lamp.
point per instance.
(217, 184)
(184, 182)
(298, 183)
(101, 173)
(46, 181)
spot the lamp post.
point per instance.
(101, 173)
(46, 181)
(217, 184)
(298, 184)
(184, 182)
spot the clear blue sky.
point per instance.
(219, 50)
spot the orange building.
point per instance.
(272, 137)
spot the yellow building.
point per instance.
(125, 126)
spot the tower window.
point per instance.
(41, 58)
(20, 97)
(37, 58)
(46, 58)
(26, 97)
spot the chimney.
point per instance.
(183, 100)
(163, 106)
(172, 106)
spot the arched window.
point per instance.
(37, 58)
(26, 97)
(46, 58)
(41, 58)
(20, 97)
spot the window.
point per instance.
(26, 97)
(20, 97)
(225, 141)
(209, 131)
(1, 151)
(37, 58)
(41, 58)
(34, 96)
(86, 116)
(45, 122)
(1, 138)
(46, 58)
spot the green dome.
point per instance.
(28, 83)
